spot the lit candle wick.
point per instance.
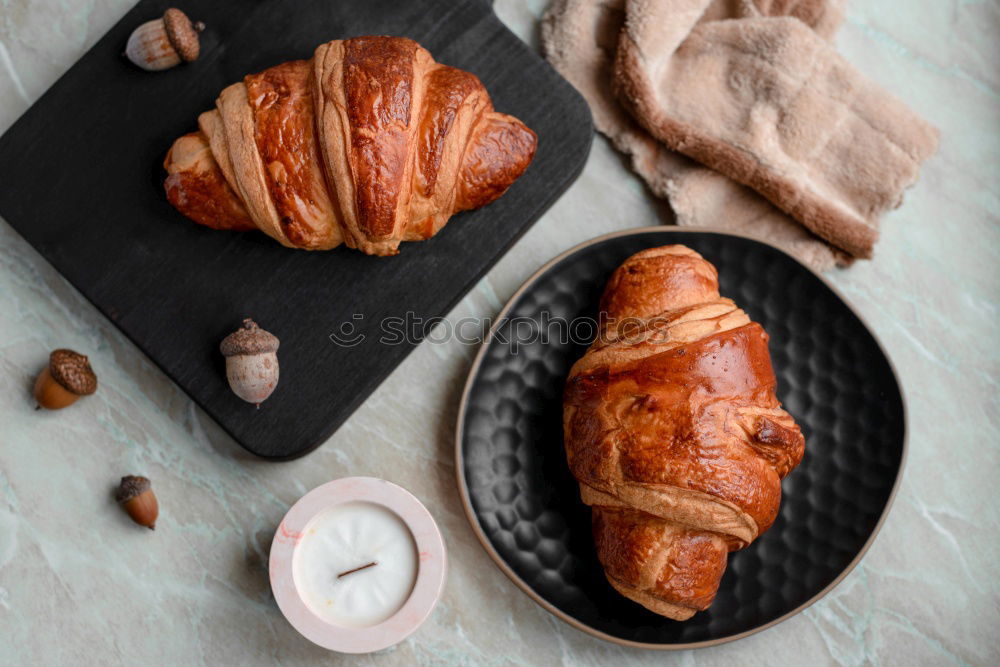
(358, 569)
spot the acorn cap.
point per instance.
(183, 35)
(73, 372)
(131, 487)
(249, 339)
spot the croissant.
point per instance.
(674, 433)
(369, 143)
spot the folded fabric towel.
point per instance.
(768, 102)
(580, 38)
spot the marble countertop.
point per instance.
(79, 584)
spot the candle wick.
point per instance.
(358, 569)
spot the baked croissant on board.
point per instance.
(369, 143)
(674, 433)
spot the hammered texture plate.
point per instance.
(832, 377)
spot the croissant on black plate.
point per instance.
(674, 433)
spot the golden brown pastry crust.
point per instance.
(674, 432)
(281, 102)
(195, 183)
(370, 143)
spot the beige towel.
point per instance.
(580, 38)
(769, 103)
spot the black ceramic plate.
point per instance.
(81, 178)
(833, 377)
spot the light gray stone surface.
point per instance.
(79, 584)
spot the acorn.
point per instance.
(67, 377)
(135, 494)
(251, 362)
(165, 42)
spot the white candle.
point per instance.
(355, 564)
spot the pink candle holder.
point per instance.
(428, 585)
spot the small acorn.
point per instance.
(165, 42)
(136, 495)
(251, 362)
(67, 377)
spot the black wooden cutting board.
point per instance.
(81, 179)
